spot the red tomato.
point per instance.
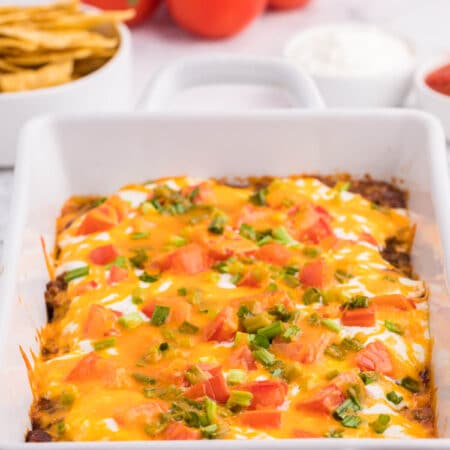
(287, 4)
(439, 80)
(324, 400)
(215, 387)
(375, 357)
(100, 322)
(223, 327)
(103, 255)
(261, 419)
(177, 431)
(117, 274)
(274, 253)
(395, 301)
(215, 18)
(266, 394)
(143, 8)
(360, 317)
(93, 368)
(190, 259)
(316, 274)
(242, 358)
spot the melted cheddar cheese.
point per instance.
(189, 309)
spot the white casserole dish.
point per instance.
(106, 89)
(98, 153)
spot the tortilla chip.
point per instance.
(49, 75)
(17, 44)
(84, 67)
(5, 66)
(38, 59)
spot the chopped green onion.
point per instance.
(144, 379)
(335, 351)
(259, 340)
(272, 330)
(354, 392)
(104, 344)
(160, 315)
(351, 421)
(393, 327)
(394, 398)
(331, 325)
(241, 399)
(259, 197)
(344, 407)
(210, 431)
(177, 241)
(291, 281)
(342, 276)
(332, 374)
(312, 252)
(380, 425)
(236, 278)
(211, 410)
(314, 319)
(76, 273)
(351, 345)
(248, 232)
(290, 270)
(236, 376)
(281, 235)
(292, 371)
(67, 398)
(99, 201)
(312, 295)
(147, 278)
(280, 312)
(188, 328)
(130, 320)
(137, 300)
(291, 332)
(196, 375)
(342, 186)
(61, 427)
(264, 239)
(410, 384)
(217, 225)
(243, 311)
(264, 356)
(139, 235)
(359, 301)
(368, 377)
(182, 292)
(139, 259)
(254, 323)
(334, 434)
(155, 203)
(120, 261)
(272, 287)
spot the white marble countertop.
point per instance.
(157, 43)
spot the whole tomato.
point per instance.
(215, 18)
(143, 8)
(287, 4)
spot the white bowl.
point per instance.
(384, 89)
(106, 89)
(430, 100)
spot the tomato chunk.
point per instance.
(177, 431)
(313, 225)
(366, 237)
(316, 274)
(100, 322)
(325, 400)
(215, 387)
(261, 419)
(376, 357)
(242, 358)
(190, 259)
(141, 414)
(395, 301)
(93, 368)
(359, 317)
(117, 274)
(204, 193)
(103, 255)
(223, 327)
(274, 253)
(83, 288)
(179, 309)
(267, 394)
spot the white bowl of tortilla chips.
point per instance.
(59, 58)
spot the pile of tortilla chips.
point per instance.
(48, 45)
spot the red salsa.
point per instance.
(439, 80)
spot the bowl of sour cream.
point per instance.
(354, 65)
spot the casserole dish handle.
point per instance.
(197, 71)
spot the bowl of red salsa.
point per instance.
(433, 90)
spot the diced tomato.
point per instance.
(93, 368)
(302, 434)
(215, 387)
(205, 194)
(100, 322)
(359, 317)
(117, 274)
(366, 237)
(251, 215)
(261, 419)
(177, 431)
(103, 255)
(142, 414)
(312, 225)
(242, 358)
(180, 310)
(223, 327)
(324, 401)
(308, 349)
(316, 274)
(190, 259)
(249, 280)
(395, 301)
(376, 357)
(345, 379)
(274, 253)
(267, 394)
(83, 288)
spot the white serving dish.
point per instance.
(381, 90)
(95, 154)
(430, 100)
(106, 89)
